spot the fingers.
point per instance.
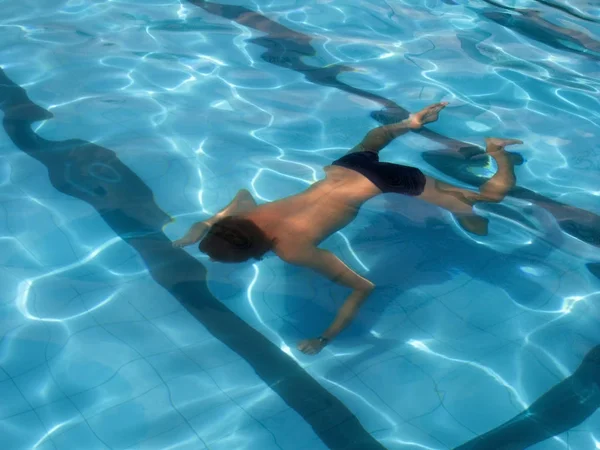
(308, 348)
(499, 142)
(305, 348)
(437, 106)
(512, 141)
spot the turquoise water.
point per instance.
(99, 351)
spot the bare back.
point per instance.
(311, 216)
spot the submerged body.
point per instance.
(311, 216)
(294, 226)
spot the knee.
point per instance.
(490, 197)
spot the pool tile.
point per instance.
(143, 336)
(27, 346)
(404, 387)
(136, 420)
(468, 391)
(89, 359)
(13, 402)
(440, 425)
(211, 353)
(39, 387)
(250, 437)
(407, 437)
(221, 422)
(130, 381)
(152, 301)
(182, 328)
(182, 437)
(290, 430)
(22, 431)
(237, 378)
(78, 437)
(374, 411)
(109, 305)
(261, 403)
(60, 416)
(195, 394)
(173, 364)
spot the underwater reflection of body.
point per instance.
(530, 23)
(286, 48)
(94, 174)
(293, 227)
(563, 407)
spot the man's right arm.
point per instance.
(330, 266)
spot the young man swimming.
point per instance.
(294, 226)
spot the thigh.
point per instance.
(458, 201)
(357, 149)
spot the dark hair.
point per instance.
(235, 239)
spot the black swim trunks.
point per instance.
(386, 176)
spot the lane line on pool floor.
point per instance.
(285, 48)
(127, 205)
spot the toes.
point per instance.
(436, 108)
(439, 106)
(499, 142)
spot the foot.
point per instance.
(498, 144)
(426, 115)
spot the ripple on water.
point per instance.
(487, 321)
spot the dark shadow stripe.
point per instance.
(563, 8)
(563, 407)
(127, 205)
(285, 48)
(531, 24)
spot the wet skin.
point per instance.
(297, 224)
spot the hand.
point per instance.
(311, 346)
(426, 115)
(183, 242)
(197, 232)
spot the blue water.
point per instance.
(462, 333)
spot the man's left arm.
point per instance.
(329, 265)
(241, 203)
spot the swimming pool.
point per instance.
(162, 110)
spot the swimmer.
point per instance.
(293, 227)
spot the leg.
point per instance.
(379, 137)
(460, 201)
(496, 188)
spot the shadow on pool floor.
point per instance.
(95, 175)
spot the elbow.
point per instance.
(367, 287)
